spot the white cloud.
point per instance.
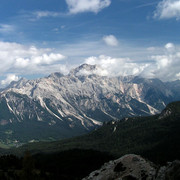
(44, 59)
(9, 79)
(80, 6)
(115, 66)
(110, 40)
(99, 71)
(42, 14)
(37, 15)
(155, 62)
(167, 9)
(170, 46)
(165, 66)
(178, 75)
(6, 28)
(26, 60)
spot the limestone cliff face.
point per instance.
(83, 98)
(134, 167)
(80, 101)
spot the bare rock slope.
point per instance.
(134, 167)
(78, 102)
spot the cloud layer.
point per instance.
(165, 66)
(115, 66)
(80, 6)
(18, 60)
(167, 9)
(42, 14)
(6, 28)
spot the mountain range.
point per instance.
(62, 106)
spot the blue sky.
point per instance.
(124, 37)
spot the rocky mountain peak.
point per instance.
(17, 84)
(56, 75)
(82, 100)
(86, 69)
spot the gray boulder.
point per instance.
(128, 167)
(134, 167)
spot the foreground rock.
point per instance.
(134, 167)
(169, 172)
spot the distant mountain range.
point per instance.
(61, 106)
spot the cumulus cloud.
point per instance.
(167, 9)
(9, 79)
(115, 66)
(170, 46)
(18, 60)
(110, 40)
(37, 60)
(25, 60)
(80, 6)
(165, 66)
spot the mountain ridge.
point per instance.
(80, 101)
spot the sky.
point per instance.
(124, 37)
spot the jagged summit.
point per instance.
(19, 83)
(82, 100)
(56, 75)
(86, 69)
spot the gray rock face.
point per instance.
(169, 172)
(126, 168)
(134, 167)
(82, 100)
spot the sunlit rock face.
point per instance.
(82, 100)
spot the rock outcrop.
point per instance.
(134, 167)
(169, 172)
